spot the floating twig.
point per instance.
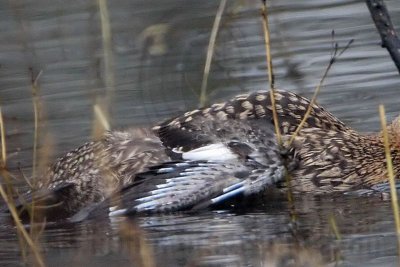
(384, 25)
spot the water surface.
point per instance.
(159, 51)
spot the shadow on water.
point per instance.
(159, 52)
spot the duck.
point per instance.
(90, 173)
(208, 156)
(231, 149)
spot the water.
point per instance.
(159, 52)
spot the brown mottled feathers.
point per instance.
(220, 151)
(332, 161)
(191, 129)
(244, 159)
(325, 157)
(329, 155)
(97, 169)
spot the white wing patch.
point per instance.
(213, 152)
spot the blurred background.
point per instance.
(153, 66)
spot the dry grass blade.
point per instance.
(312, 102)
(36, 111)
(21, 228)
(210, 53)
(271, 78)
(335, 54)
(267, 39)
(26, 179)
(103, 103)
(389, 165)
(10, 204)
(3, 165)
(334, 227)
(289, 194)
(134, 238)
(35, 211)
(107, 48)
(271, 81)
(36, 165)
(3, 142)
(336, 232)
(101, 117)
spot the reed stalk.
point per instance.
(392, 182)
(334, 56)
(36, 112)
(210, 53)
(271, 77)
(108, 73)
(101, 117)
(6, 195)
(21, 228)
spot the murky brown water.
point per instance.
(159, 52)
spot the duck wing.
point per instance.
(243, 159)
(198, 127)
(190, 185)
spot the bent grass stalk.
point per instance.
(311, 104)
(37, 118)
(332, 60)
(101, 117)
(334, 227)
(3, 171)
(36, 111)
(108, 72)
(21, 228)
(39, 159)
(336, 232)
(271, 79)
(3, 142)
(334, 57)
(134, 237)
(392, 182)
(10, 204)
(107, 48)
(210, 53)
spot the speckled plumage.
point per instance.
(250, 161)
(192, 129)
(219, 152)
(95, 170)
(326, 156)
(330, 156)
